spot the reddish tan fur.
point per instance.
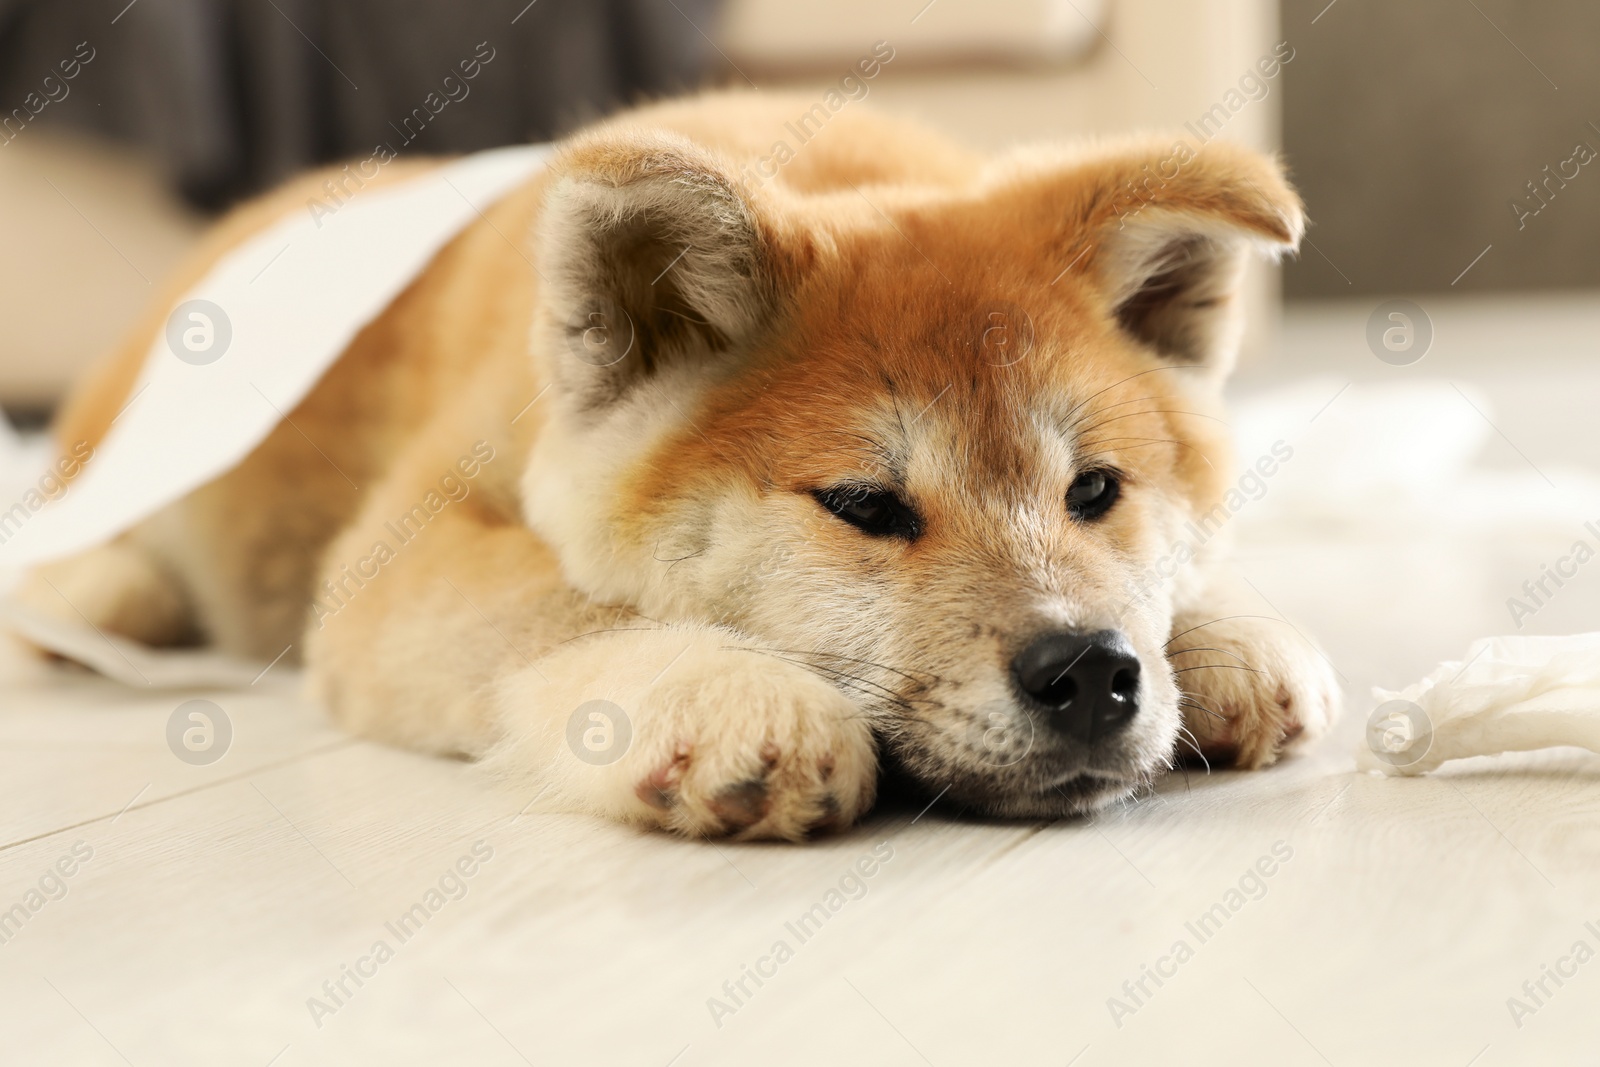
(652, 539)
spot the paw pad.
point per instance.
(660, 788)
(741, 806)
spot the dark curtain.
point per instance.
(236, 94)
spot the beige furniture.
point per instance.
(90, 230)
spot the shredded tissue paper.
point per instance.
(1509, 694)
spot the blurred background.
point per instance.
(1439, 143)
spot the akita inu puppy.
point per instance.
(864, 464)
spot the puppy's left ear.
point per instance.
(655, 257)
(1165, 231)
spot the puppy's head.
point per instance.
(926, 442)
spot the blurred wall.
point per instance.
(1413, 126)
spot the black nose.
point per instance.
(1089, 683)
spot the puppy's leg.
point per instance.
(118, 587)
(722, 737)
(467, 640)
(1254, 688)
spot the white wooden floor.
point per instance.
(209, 903)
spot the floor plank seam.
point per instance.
(332, 746)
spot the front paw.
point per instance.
(1253, 689)
(720, 739)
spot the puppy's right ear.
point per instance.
(1164, 229)
(653, 257)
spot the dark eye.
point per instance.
(877, 512)
(1092, 495)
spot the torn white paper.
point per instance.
(128, 661)
(1509, 694)
(242, 348)
(251, 339)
